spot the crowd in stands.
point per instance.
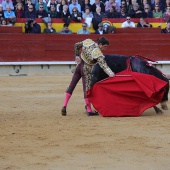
(90, 11)
(83, 30)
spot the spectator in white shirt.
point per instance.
(128, 23)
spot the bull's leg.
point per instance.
(164, 105)
(157, 110)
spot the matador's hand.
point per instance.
(112, 74)
(77, 59)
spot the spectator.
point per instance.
(65, 30)
(127, 2)
(87, 13)
(6, 3)
(41, 3)
(58, 2)
(35, 2)
(124, 6)
(84, 29)
(111, 3)
(131, 5)
(74, 5)
(167, 4)
(97, 18)
(41, 13)
(32, 27)
(51, 3)
(112, 13)
(9, 16)
(3, 22)
(49, 29)
(144, 2)
(28, 3)
(135, 12)
(147, 13)
(157, 13)
(19, 11)
(1, 13)
(30, 13)
(63, 2)
(65, 15)
(157, 2)
(128, 23)
(100, 30)
(122, 13)
(85, 5)
(53, 13)
(76, 15)
(88, 16)
(110, 30)
(166, 14)
(15, 2)
(143, 23)
(100, 4)
(4, 0)
(167, 29)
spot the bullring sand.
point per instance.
(34, 135)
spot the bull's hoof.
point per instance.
(63, 111)
(164, 107)
(158, 110)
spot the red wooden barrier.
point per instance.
(44, 47)
(138, 30)
(10, 29)
(112, 20)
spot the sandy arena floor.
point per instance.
(34, 135)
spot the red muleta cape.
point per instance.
(127, 94)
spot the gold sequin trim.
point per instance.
(96, 53)
(88, 42)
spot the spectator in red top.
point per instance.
(19, 11)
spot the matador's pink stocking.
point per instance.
(67, 97)
(88, 105)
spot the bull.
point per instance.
(118, 63)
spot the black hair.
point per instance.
(103, 41)
(65, 25)
(110, 29)
(113, 8)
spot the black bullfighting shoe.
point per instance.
(63, 111)
(92, 113)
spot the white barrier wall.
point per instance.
(34, 68)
